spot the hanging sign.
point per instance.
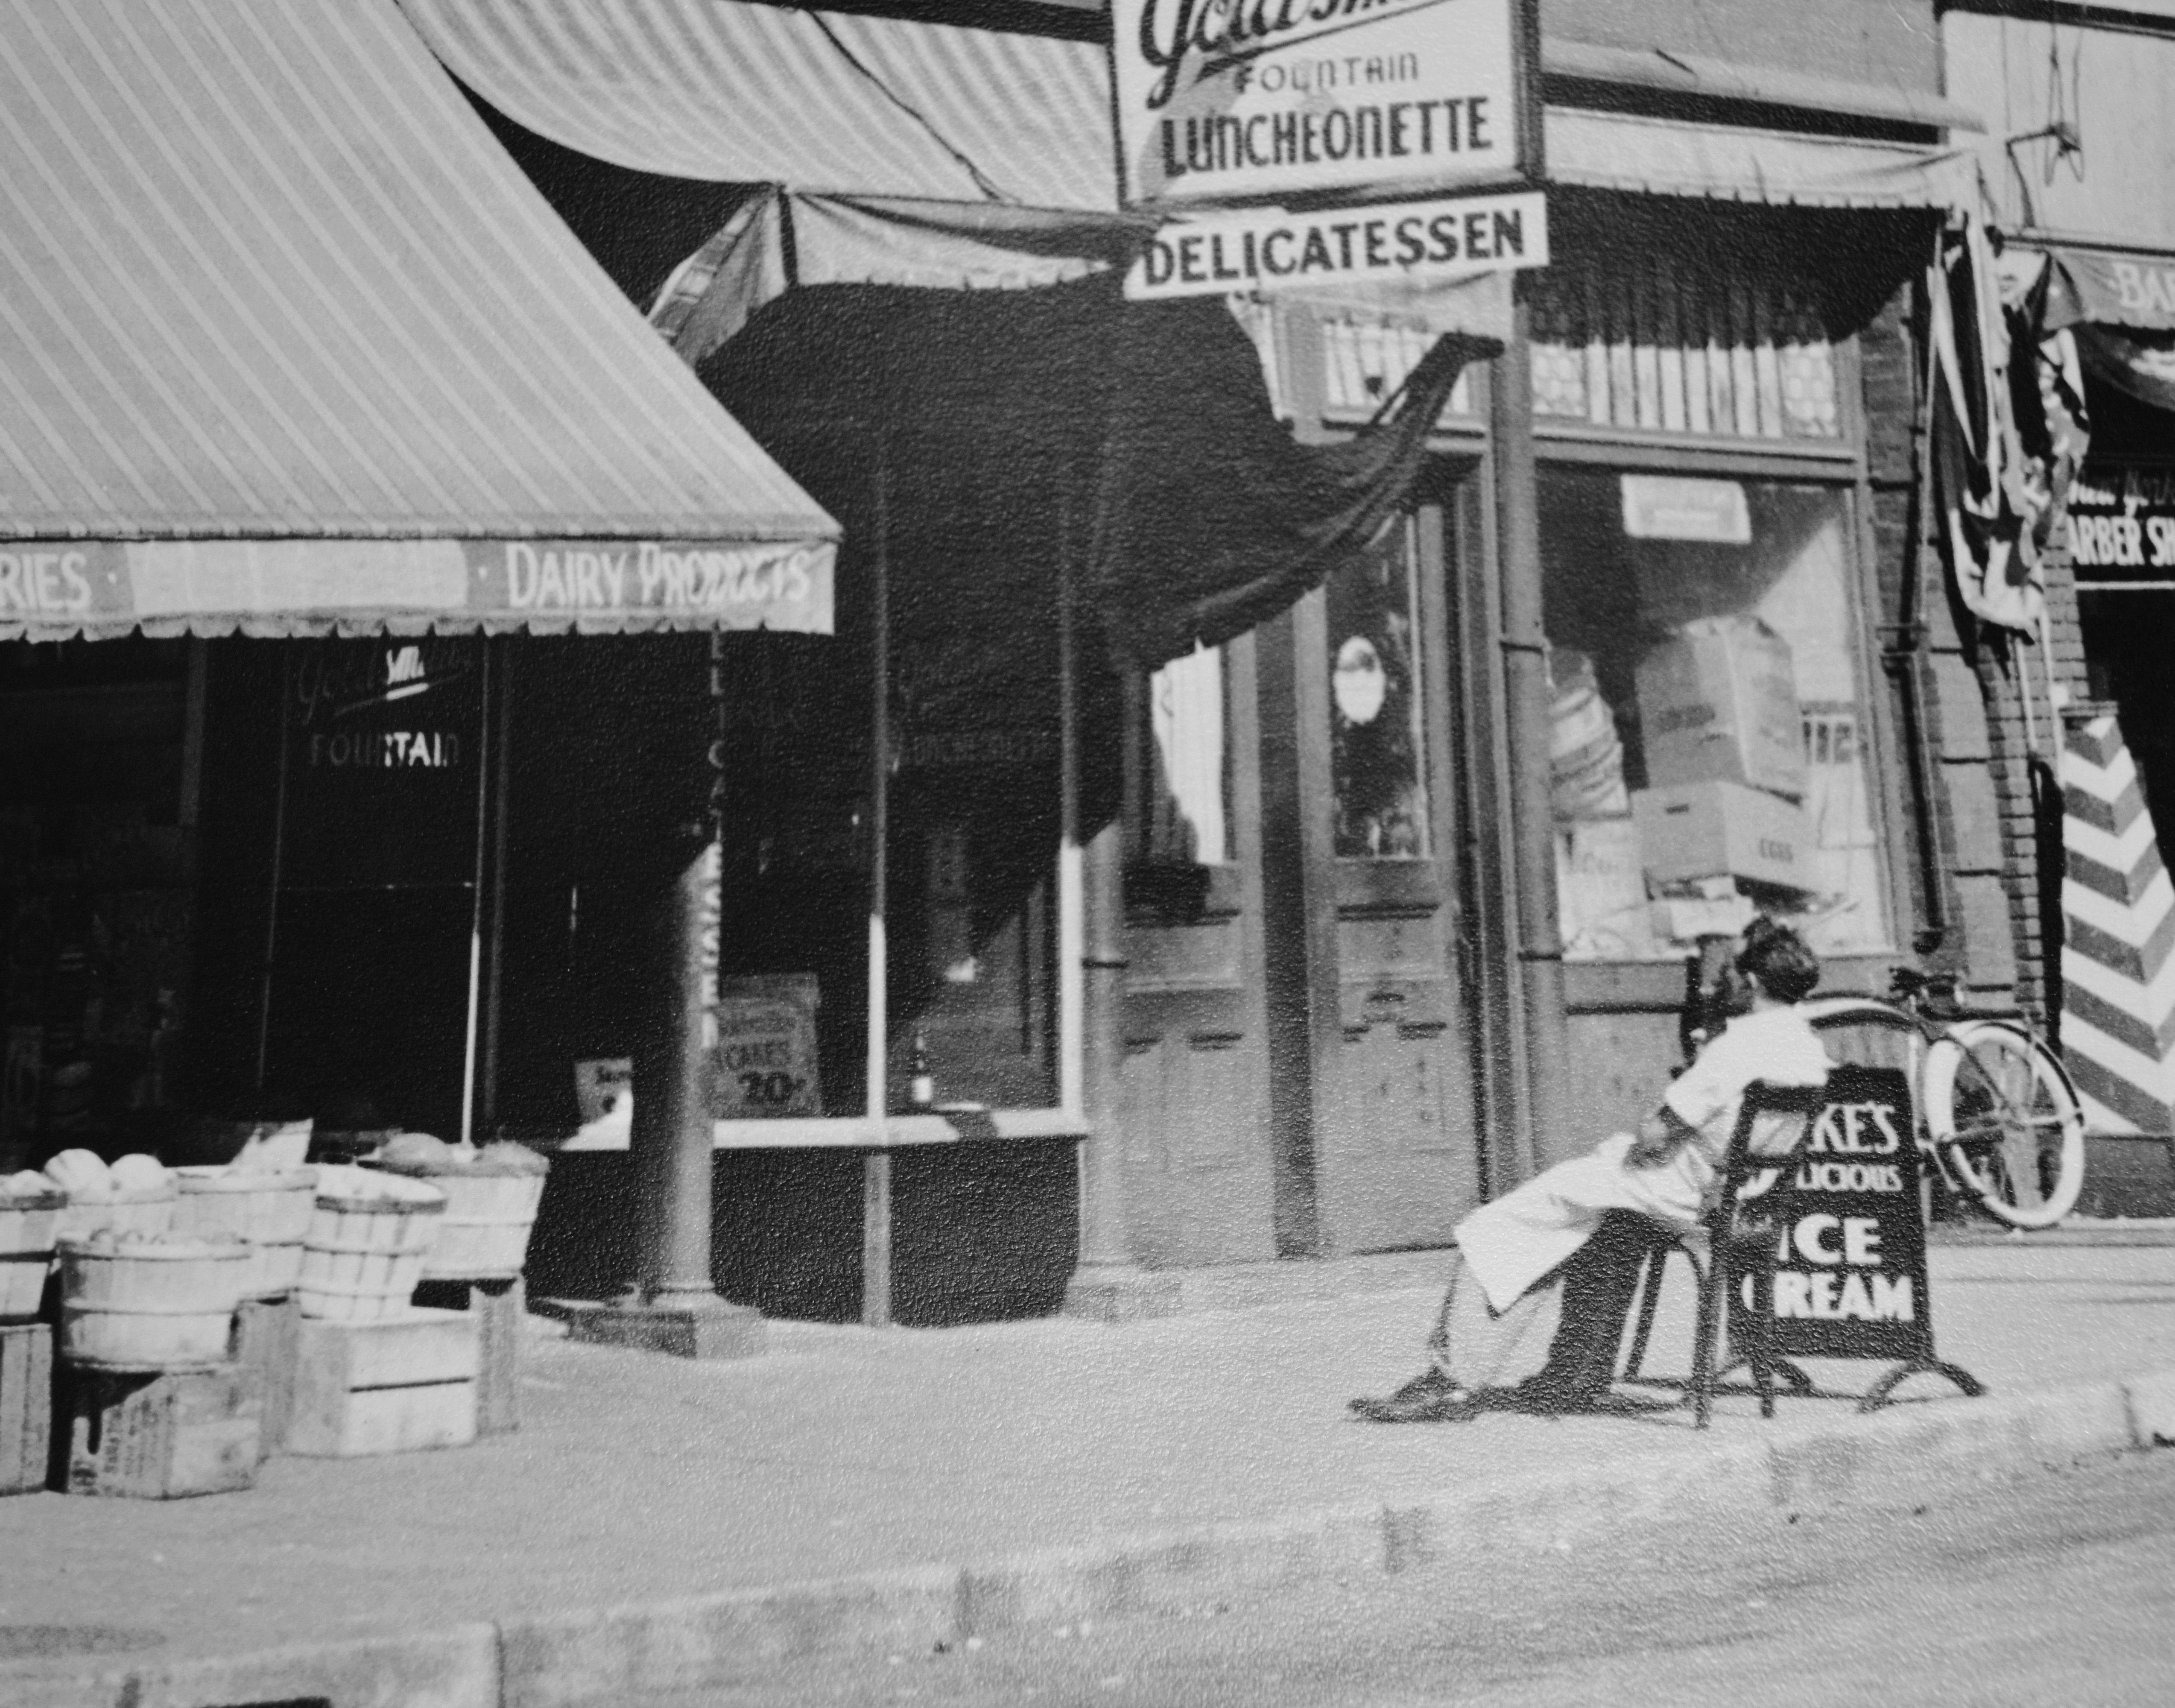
(1850, 1277)
(1383, 242)
(1224, 101)
(2121, 517)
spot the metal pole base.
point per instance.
(1925, 1365)
(681, 1325)
(1120, 1292)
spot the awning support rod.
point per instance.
(475, 894)
(279, 863)
(875, 1166)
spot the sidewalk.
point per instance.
(638, 1480)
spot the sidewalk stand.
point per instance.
(26, 1405)
(501, 1307)
(390, 1387)
(161, 1437)
(367, 1237)
(29, 1227)
(152, 1304)
(267, 1345)
(269, 1209)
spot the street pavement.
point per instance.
(2060, 1589)
(639, 1481)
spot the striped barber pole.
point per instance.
(2118, 953)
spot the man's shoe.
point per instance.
(1430, 1397)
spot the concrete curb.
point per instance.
(1894, 1459)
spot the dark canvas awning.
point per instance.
(288, 344)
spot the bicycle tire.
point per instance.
(2007, 1121)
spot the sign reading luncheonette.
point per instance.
(1228, 100)
(1382, 242)
(54, 587)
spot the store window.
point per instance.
(1674, 348)
(1709, 749)
(1185, 819)
(1378, 746)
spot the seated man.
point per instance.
(1516, 1251)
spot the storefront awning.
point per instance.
(1665, 157)
(1761, 85)
(288, 344)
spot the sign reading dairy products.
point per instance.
(1267, 248)
(1228, 100)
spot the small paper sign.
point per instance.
(765, 1060)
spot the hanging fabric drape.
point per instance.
(1206, 515)
(2008, 425)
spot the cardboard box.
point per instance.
(1704, 830)
(1718, 704)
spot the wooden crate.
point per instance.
(267, 1342)
(160, 1437)
(26, 1406)
(502, 1308)
(394, 1386)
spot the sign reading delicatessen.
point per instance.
(1224, 101)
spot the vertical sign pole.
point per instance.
(475, 891)
(875, 1166)
(279, 861)
(1072, 917)
(495, 960)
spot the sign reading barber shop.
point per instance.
(1849, 1276)
(2121, 517)
(1223, 101)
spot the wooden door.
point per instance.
(1198, 1158)
(1393, 1154)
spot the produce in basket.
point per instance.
(82, 1174)
(29, 1183)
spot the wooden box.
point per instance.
(26, 1406)
(160, 1437)
(501, 1309)
(267, 1342)
(390, 1387)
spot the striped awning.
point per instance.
(288, 344)
(828, 104)
(819, 102)
(1667, 157)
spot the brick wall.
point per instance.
(1979, 812)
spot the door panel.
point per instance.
(1397, 1159)
(1197, 1162)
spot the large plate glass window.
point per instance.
(1709, 743)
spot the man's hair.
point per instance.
(1777, 958)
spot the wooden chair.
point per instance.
(1733, 1240)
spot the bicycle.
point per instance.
(1998, 1111)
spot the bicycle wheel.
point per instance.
(2000, 1108)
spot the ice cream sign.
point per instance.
(1227, 101)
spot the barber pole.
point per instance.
(2119, 948)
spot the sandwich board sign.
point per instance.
(1850, 1273)
(1225, 101)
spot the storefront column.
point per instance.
(672, 1306)
(1106, 1284)
(1539, 1137)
